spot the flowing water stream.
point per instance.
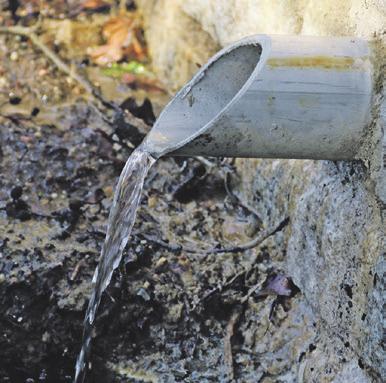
(121, 220)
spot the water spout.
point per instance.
(273, 97)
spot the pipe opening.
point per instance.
(206, 96)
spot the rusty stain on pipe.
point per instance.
(324, 62)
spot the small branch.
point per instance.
(176, 248)
(227, 284)
(237, 200)
(221, 287)
(30, 33)
(254, 242)
(251, 291)
(76, 270)
(205, 161)
(171, 247)
(229, 331)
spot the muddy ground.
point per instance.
(173, 313)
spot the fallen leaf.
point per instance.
(134, 74)
(122, 39)
(94, 5)
(281, 285)
(148, 84)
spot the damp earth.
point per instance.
(174, 311)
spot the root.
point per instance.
(253, 243)
(228, 356)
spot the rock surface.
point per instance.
(334, 246)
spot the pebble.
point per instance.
(108, 190)
(160, 262)
(14, 56)
(42, 72)
(152, 202)
(46, 337)
(146, 285)
(3, 82)
(143, 294)
(117, 147)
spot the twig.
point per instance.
(253, 243)
(30, 33)
(246, 246)
(205, 162)
(221, 287)
(236, 199)
(229, 331)
(272, 290)
(171, 247)
(250, 292)
(77, 268)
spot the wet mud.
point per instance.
(169, 312)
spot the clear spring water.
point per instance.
(121, 220)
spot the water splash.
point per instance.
(121, 220)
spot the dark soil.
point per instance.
(165, 314)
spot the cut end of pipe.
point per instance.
(206, 97)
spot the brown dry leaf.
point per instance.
(145, 83)
(121, 33)
(94, 5)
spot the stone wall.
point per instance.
(334, 244)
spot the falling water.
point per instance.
(121, 220)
